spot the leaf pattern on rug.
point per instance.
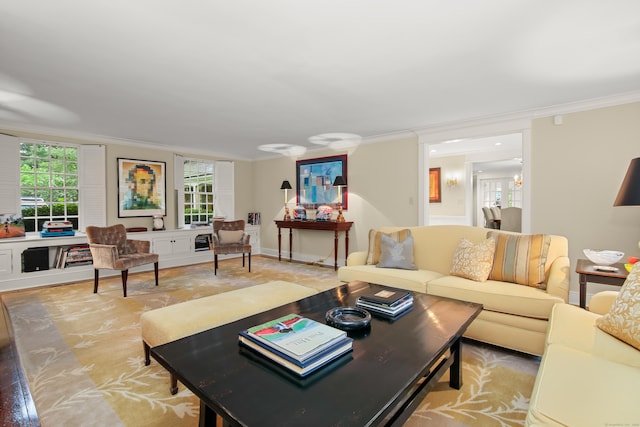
(477, 403)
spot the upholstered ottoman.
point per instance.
(173, 322)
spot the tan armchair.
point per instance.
(111, 249)
(229, 238)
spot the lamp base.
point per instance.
(340, 217)
(287, 215)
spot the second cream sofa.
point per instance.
(514, 316)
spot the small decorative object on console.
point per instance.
(324, 213)
(603, 257)
(299, 213)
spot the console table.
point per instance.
(334, 226)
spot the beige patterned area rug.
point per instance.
(83, 356)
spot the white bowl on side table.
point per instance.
(603, 257)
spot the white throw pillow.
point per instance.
(230, 236)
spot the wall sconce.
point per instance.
(339, 182)
(452, 181)
(517, 180)
(286, 186)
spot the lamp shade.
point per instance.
(629, 194)
(339, 181)
(285, 185)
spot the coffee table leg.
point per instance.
(455, 372)
(207, 416)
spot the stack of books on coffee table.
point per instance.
(387, 303)
(297, 343)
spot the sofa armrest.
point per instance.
(558, 281)
(357, 258)
(601, 302)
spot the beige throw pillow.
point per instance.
(520, 258)
(623, 319)
(230, 236)
(373, 254)
(473, 261)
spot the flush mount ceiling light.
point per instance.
(284, 149)
(336, 140)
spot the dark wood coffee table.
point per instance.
(391, 369)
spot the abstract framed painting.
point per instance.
(314, 181)
(141, 188)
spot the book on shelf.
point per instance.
(387, 297)
(295, 336)
(302, 369)
(73, 256)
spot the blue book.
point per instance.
(310, 366)
(295, 336)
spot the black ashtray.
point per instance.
(348, 318)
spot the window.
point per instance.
(493, 193)
(48, 183)
(198, 191)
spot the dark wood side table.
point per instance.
(334, 226)
(587, 273)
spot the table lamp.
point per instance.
(339, 182)
(629, 194)
(286, 186)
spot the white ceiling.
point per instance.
(224, 77)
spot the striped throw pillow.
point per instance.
(520, 258)
(373, 254)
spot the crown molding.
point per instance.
(516, 121)
(45, 133)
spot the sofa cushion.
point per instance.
(576, 328)
(373, 254)
(394, 254)
(412, 280)
(520, 258)
(473, 261)
(623, 319)
(502, 297)
(575, 388)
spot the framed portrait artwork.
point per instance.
(435, 196)
(314, 181)
(141, 188)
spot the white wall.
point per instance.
(383, 190)
(577, 169)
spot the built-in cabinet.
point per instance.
(175, 247)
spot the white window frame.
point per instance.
(91, 181)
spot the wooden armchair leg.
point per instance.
(215, 264)
(125, 274)
(155, 270)
(249, 262)
(95, 281)
(243, 259)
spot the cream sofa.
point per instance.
(586, 377)
(514, 316)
